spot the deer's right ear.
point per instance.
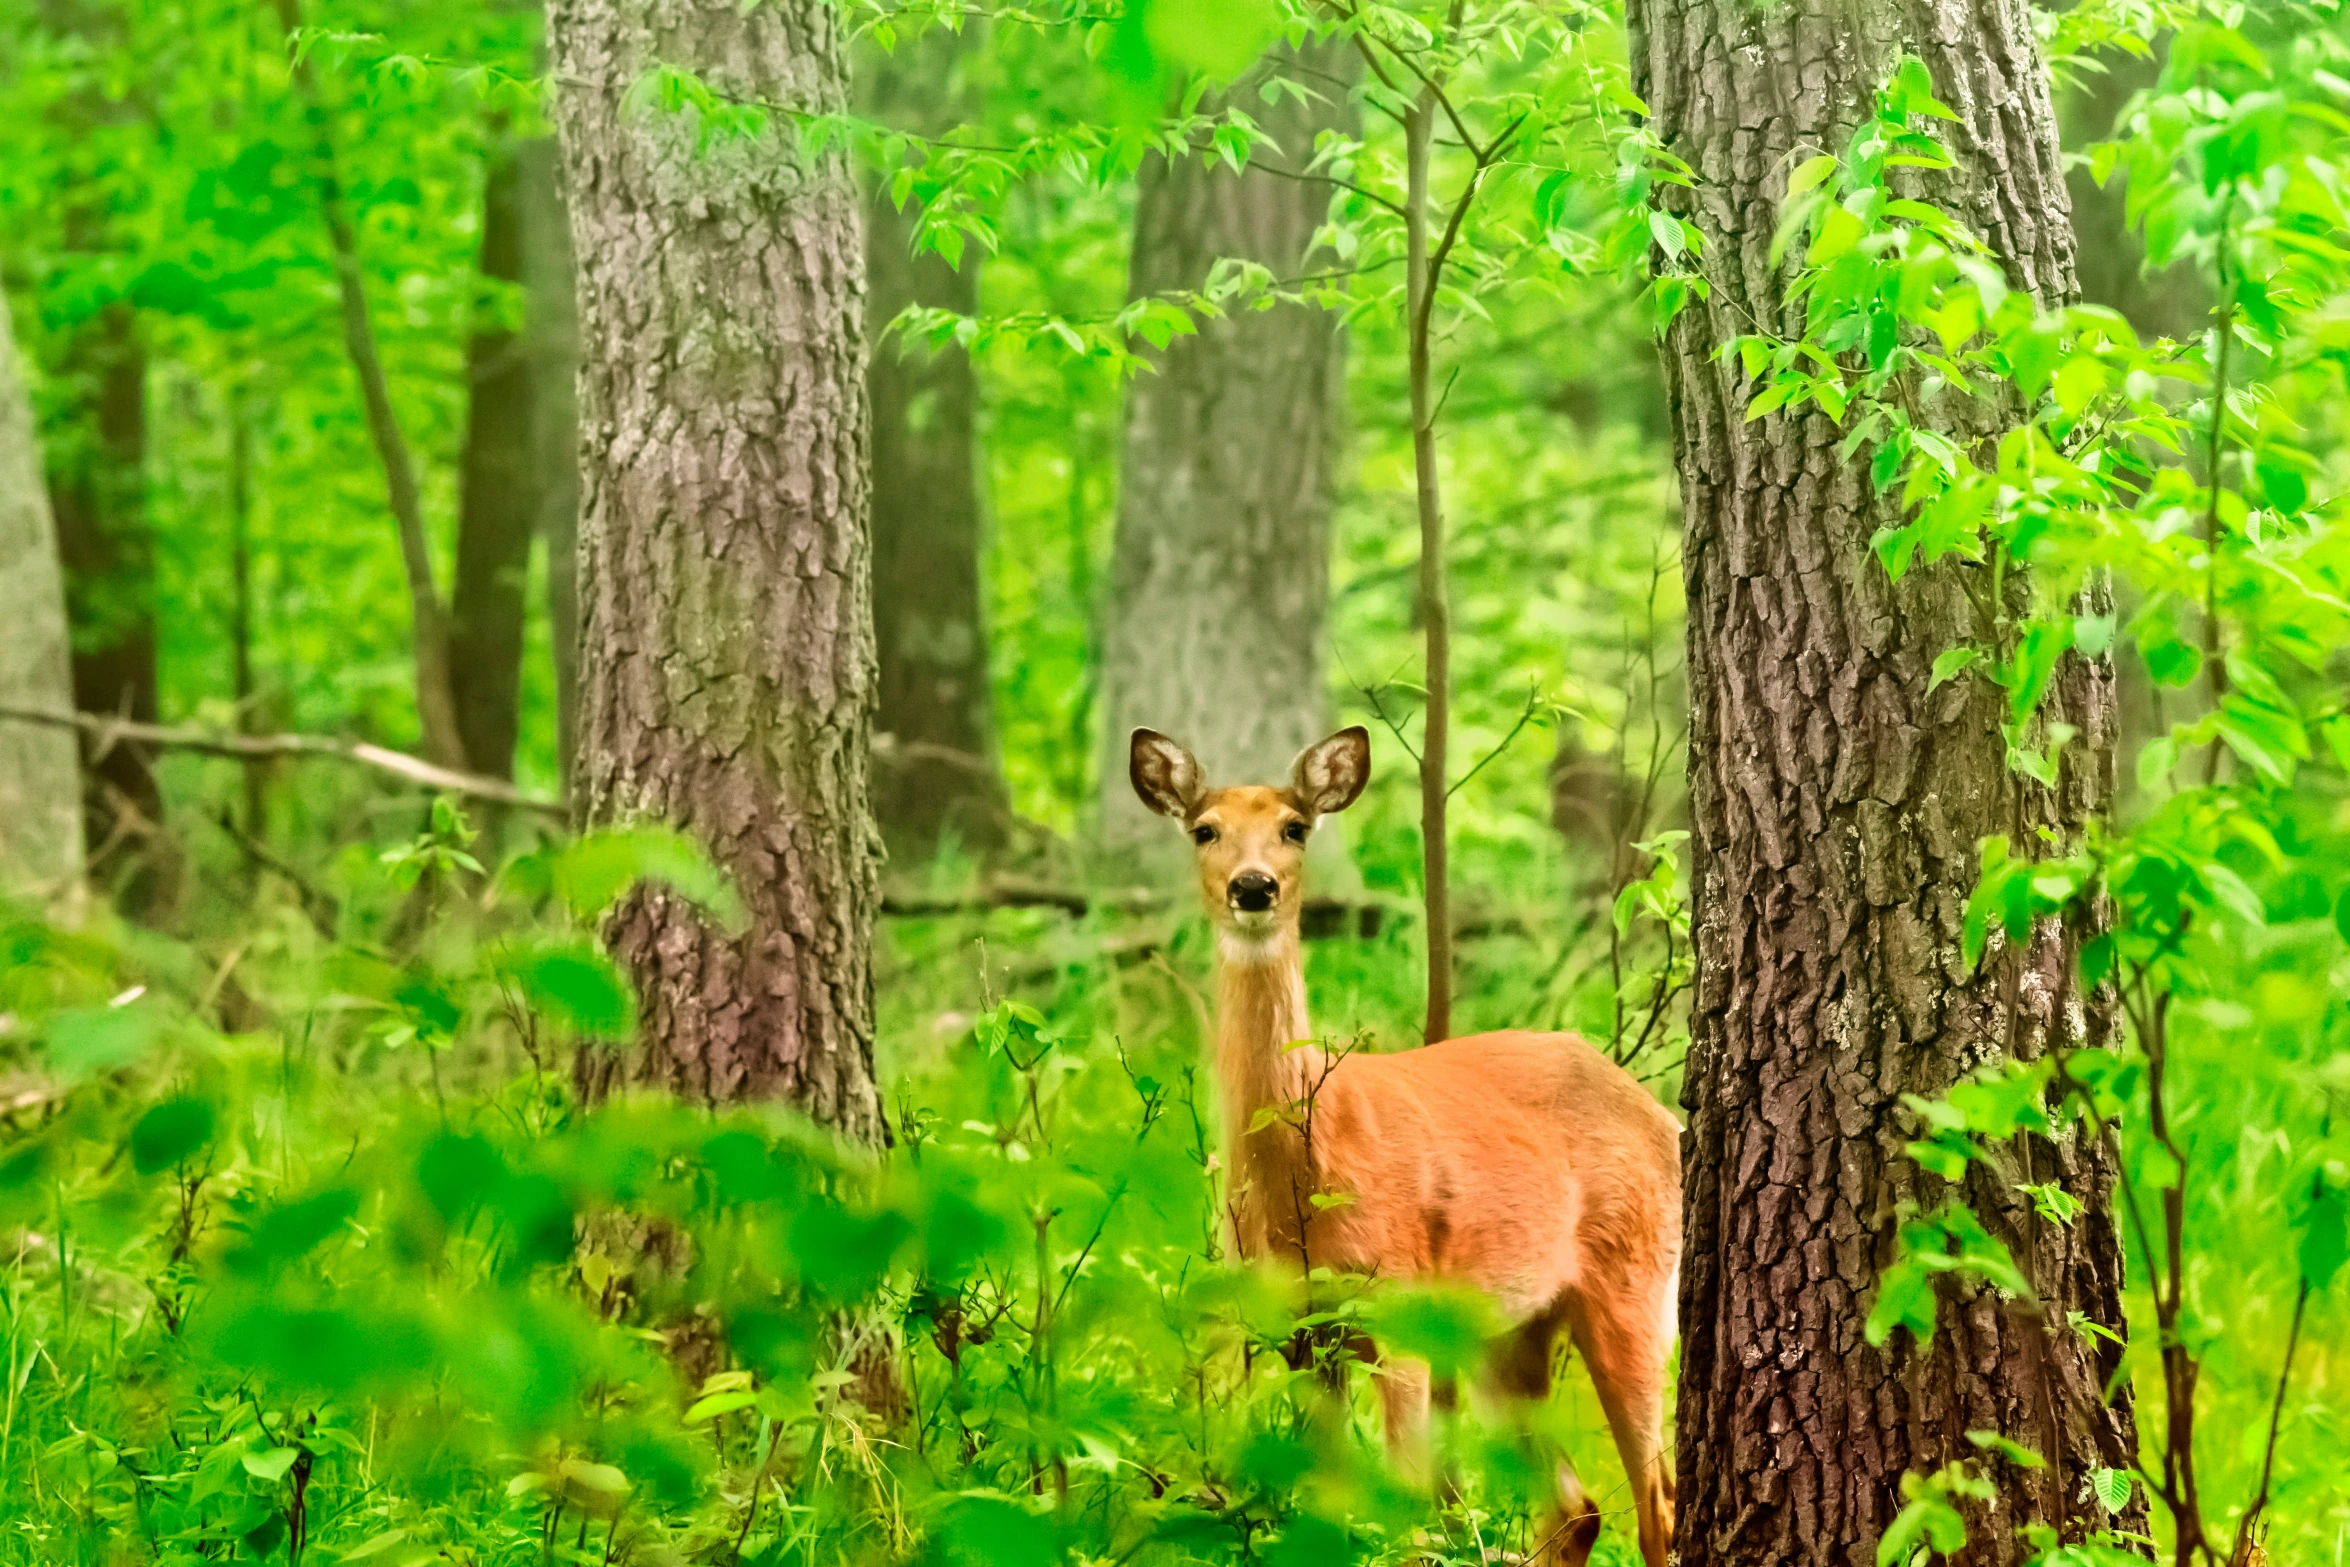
(1165, 775)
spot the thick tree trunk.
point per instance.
(938, 774)
(1837, 806)
(1213, 632)
(96, 448)
(40, 774)
(550, 326)
(727, 663)
(496, 506)
(98, 491)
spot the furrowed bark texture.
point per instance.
(40, 772)
(496, 504)
(1837, 806)
(727, 647)
(1213, 632)
(938, 776)
(550, 327)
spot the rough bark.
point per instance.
(938, 775)
(40, 773)
(496, 506)
(727, 647)
(1837, 806)
(550, 326)
(1213, 630)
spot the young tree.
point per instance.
(1219, 577)
(428, 613)
(40, 778)
(1837, 797)
(496, 502)
(727, 652)
(938, 773)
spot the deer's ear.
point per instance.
(1165, 775)
(1329, 774)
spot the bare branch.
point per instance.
(106, 730)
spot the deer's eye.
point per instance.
(1203, 835)
(1295, 832)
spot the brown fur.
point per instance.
(1526, 1164)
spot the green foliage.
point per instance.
(310, 1245)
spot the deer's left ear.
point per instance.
(1329, 774)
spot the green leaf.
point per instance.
(717, 1404)
(2325, 1238)
(572, 981)
(844, 1253)
(1447, 1327)
(596, 871)
(375, 1546)
(1811, 171)
(85, 1042)
(982, 1529)
(271, 1464)
(2111, 1488)
(2171, 662)
(457, 1172)
(169, 1133)
(2013, 1451)
(1952, 663)
(292, 1229)
(1905, 1299)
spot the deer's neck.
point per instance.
(1260, 1014)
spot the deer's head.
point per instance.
(1249, 842)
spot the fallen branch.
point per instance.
(106, 732)
(1320, 917)
(1011, 893)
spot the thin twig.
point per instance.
(1525, 717)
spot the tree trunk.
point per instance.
(550, 325)
(938, 774)
(98, 491)
(1220, 569)
(40, 773)
(96, 448)
(727, 663)
(496, 506)
(1836, 807)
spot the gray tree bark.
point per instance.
(550, 327)
(40, 770)
(939, 774)
(496, 504)
(728, 664)
(1219, 577)
(1836, 805)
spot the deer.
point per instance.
(1526, 1164)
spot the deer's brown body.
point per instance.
(1526, 1164)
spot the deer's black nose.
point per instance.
(1253, 892)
